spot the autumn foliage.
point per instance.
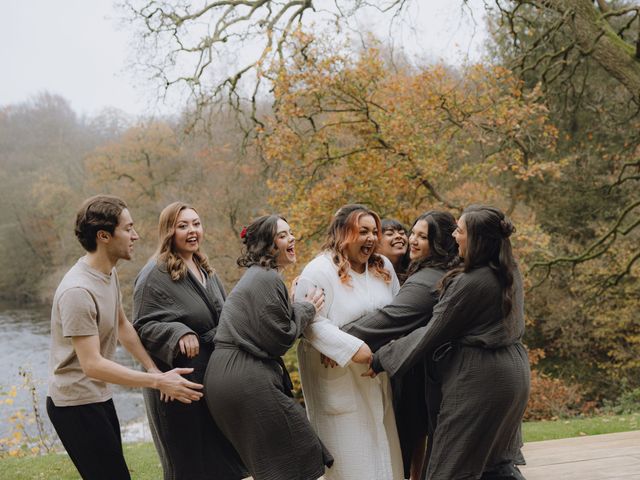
(350, 128)
(552, 398)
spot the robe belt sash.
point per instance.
(443, 350)
(286, 379)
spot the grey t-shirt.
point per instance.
(86, 303)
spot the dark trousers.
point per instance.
(91, 435)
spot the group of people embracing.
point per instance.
(409, 349)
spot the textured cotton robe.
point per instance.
(484, 371)
(353, 415)
(248, 389)
(189, 443)
(416, 394)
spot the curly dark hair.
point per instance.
(259, 242)
(100, 212)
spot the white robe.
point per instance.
(352, 415)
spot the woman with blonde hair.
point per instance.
(352, 416)
(177, 303)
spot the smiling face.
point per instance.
(419, 241)
(188, 233)
(359, 250)
(393, 244)
(460, 234)
(120, 243)
(285, 245)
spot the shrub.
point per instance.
(27, 434)
(552, 398)
(628, 402)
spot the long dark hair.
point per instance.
(443, 250)
(488, 232)
(342, 231)
(259, 242)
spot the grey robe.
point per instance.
(189, 443)
(248, 388)
(484, 370)
(416, 400)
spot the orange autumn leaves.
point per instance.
(355, 128)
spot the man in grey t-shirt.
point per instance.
(87, 320)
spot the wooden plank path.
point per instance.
(613, 456)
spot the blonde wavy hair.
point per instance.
(166, 253)
(342, 232)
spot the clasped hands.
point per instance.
(363, 356)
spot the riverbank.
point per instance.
(24, 353)
(145, 465)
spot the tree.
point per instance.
(581, 314)
(42, 145)
(402, 141)
(570, 70)
(586, 58)
(145, 162)
(605, 32)
(222, 49)
(156, 163)
(187, 45)
(552, 41)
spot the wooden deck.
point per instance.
(614, 456)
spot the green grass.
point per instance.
(551, 430)
(141, 458)
(144, 464)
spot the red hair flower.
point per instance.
(243, 233)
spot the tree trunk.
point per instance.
(594, 36)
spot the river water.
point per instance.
(24, 344)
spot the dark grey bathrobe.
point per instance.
(247, 387)
(189, 443)
(416, 398)
(484, 370)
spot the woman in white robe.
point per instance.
(352, 415)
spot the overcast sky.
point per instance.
(79, 50)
